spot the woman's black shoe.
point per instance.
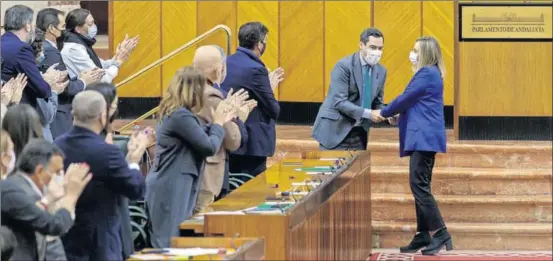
(439, 240)
(420, 240)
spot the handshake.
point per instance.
(377, 118)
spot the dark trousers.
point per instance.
(253, 165)
(355, 140)
(421, 164)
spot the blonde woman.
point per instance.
(421, 136)
(183, 144)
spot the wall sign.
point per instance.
(506, 22)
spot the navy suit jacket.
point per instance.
(63, 120)
(18, 58)
(96, 232)
(246, 71)
(421, 108)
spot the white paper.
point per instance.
(147, 257)
(191, 251)
(317, 173)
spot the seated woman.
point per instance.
(78, 54)
(182, 147)
(22, 123)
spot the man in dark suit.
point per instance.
(96, 232)
(52, 22)
(354, 98)
(245, 70)
(25, 205)
(17, 55)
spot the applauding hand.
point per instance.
(92, 75)
(137, 145)
(223, 114)
(13, 89)
(76, 178)
(125, 48)
(276, 76)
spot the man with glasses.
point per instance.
(52, 22)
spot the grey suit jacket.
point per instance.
(342, 107)
(29, 222)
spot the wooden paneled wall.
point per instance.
(306, 38)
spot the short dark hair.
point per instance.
(37, 152)
(76, 18)
(17, 16)
(370, 32)
(22, 122)
(47, 17)
(251, 33)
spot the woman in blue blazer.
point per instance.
(421, 135)
(182, 144)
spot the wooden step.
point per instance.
(467, 181)
(473, 236)
(489, 209)
(460, 154)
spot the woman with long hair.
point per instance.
(422, 135)
(22, 123)
(182, 144)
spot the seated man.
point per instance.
(25, 202)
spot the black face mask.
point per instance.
(262, 51)
(61, 39)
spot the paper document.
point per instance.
(191, 251)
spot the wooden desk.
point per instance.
(333, 222)
(237, 248)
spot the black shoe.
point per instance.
(439, 240)
(420, 240)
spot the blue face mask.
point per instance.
(92, 31)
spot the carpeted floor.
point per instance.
(458, 256)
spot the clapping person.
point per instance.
(183, 144)
(52, 22)
(109, 92)
(18, 58)
(96, 232)
(13, 89)
(211, 61)
(78, 54)
(47, 108)
(25, 200)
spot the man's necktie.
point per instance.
(367, 101)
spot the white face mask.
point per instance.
(11, 165)
(413, 57)
(373, 57)
(92, 31)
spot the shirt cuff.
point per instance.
(367, 114)
(84, 83)
(134, 166)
